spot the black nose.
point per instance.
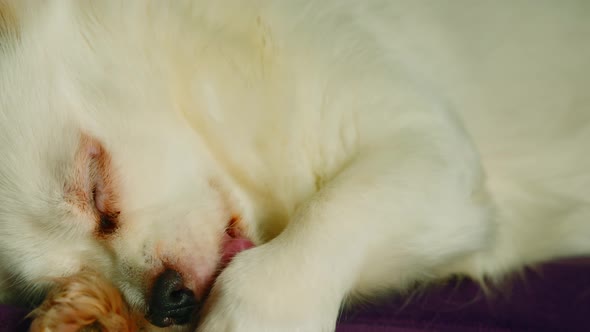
(171, 303)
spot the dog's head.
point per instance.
(99, 170)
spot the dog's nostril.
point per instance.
(171, 303)
(177, 295)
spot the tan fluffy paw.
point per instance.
(82, 302)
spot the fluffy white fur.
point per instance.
(364, 145)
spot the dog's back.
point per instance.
(518, 74)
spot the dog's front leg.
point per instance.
(398, 212)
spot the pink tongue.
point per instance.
(233, 246)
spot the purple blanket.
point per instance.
(554, 297)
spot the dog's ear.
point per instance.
(8, 20)
(91, 187)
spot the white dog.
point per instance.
(357, 145)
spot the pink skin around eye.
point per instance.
(100, 196)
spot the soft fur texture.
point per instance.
(362, 145)
(85, 301)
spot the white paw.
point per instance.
(261, 291)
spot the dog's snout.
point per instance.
(171, 303)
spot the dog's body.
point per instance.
(361, 145)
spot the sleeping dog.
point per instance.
(228, 165)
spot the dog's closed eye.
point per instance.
(100, 180)
(107, 223)
(91, 189)
(107, 220)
